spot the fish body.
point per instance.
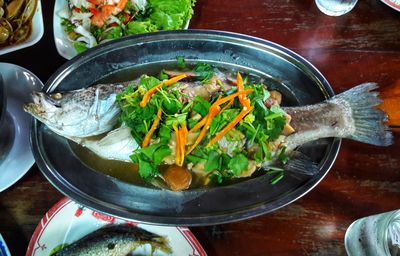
(351, 115)
(115, 240)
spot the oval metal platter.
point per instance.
(300, 82)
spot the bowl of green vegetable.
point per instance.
(213, 103)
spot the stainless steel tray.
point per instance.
(299, 80)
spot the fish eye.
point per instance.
(57, 96)
(54, 100)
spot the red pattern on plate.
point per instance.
(188, 235)
(78, 212)
(103, 217)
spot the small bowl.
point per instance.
(36, 35)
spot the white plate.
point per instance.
(18, 159)
(395, 4)
(63, 44)
(3, 248)
(68, 221)
(37, 32)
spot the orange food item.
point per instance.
(153, 90)
(147, 138)
(177, 178)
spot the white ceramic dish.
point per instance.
(37, 32)
(18, 158)
(3, 248)
(68, 221)
(395, 4)
(63, 44)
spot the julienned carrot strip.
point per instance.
(178, 145)
(233, 95)
(183, 132)
(232, 124)
(154, 89)
(227, 105)
(204, 120)
(199, 124)
(214, 110)
(220, 101)
(240, 87)
(153, 127)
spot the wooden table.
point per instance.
(361, 46)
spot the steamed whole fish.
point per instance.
(218, 126)
(115, 240)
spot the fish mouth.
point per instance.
(41, 105)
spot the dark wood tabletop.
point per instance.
(361, 46)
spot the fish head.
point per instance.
(79, 113)
(44, 107)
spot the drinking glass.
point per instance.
(335, 7)
(374, 235)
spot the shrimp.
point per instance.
(100, 15)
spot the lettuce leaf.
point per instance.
(138, 27)
(170, 14)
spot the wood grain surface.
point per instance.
(361, 46)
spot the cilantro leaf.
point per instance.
(238, 163)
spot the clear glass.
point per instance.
(374, 235)
(335, 7)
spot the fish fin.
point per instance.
(300, 163)
(368, 120)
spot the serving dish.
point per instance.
(63, 44)
(15, 153)
(36, 34)
(68, 221)
(299, 81)
(3, 247)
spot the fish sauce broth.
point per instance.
(129, 172)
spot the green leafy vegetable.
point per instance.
(204, 71)
(252, 140)
(80, 47)
(112, 33)
(238, 164)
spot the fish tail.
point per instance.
(369, 121)
(299, 163)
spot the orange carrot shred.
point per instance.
(240, 88)
(177, 147)
(232, 124)
(154, 89)
(214, 110)
(204, 120)
(147, 138)
(183, 134)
